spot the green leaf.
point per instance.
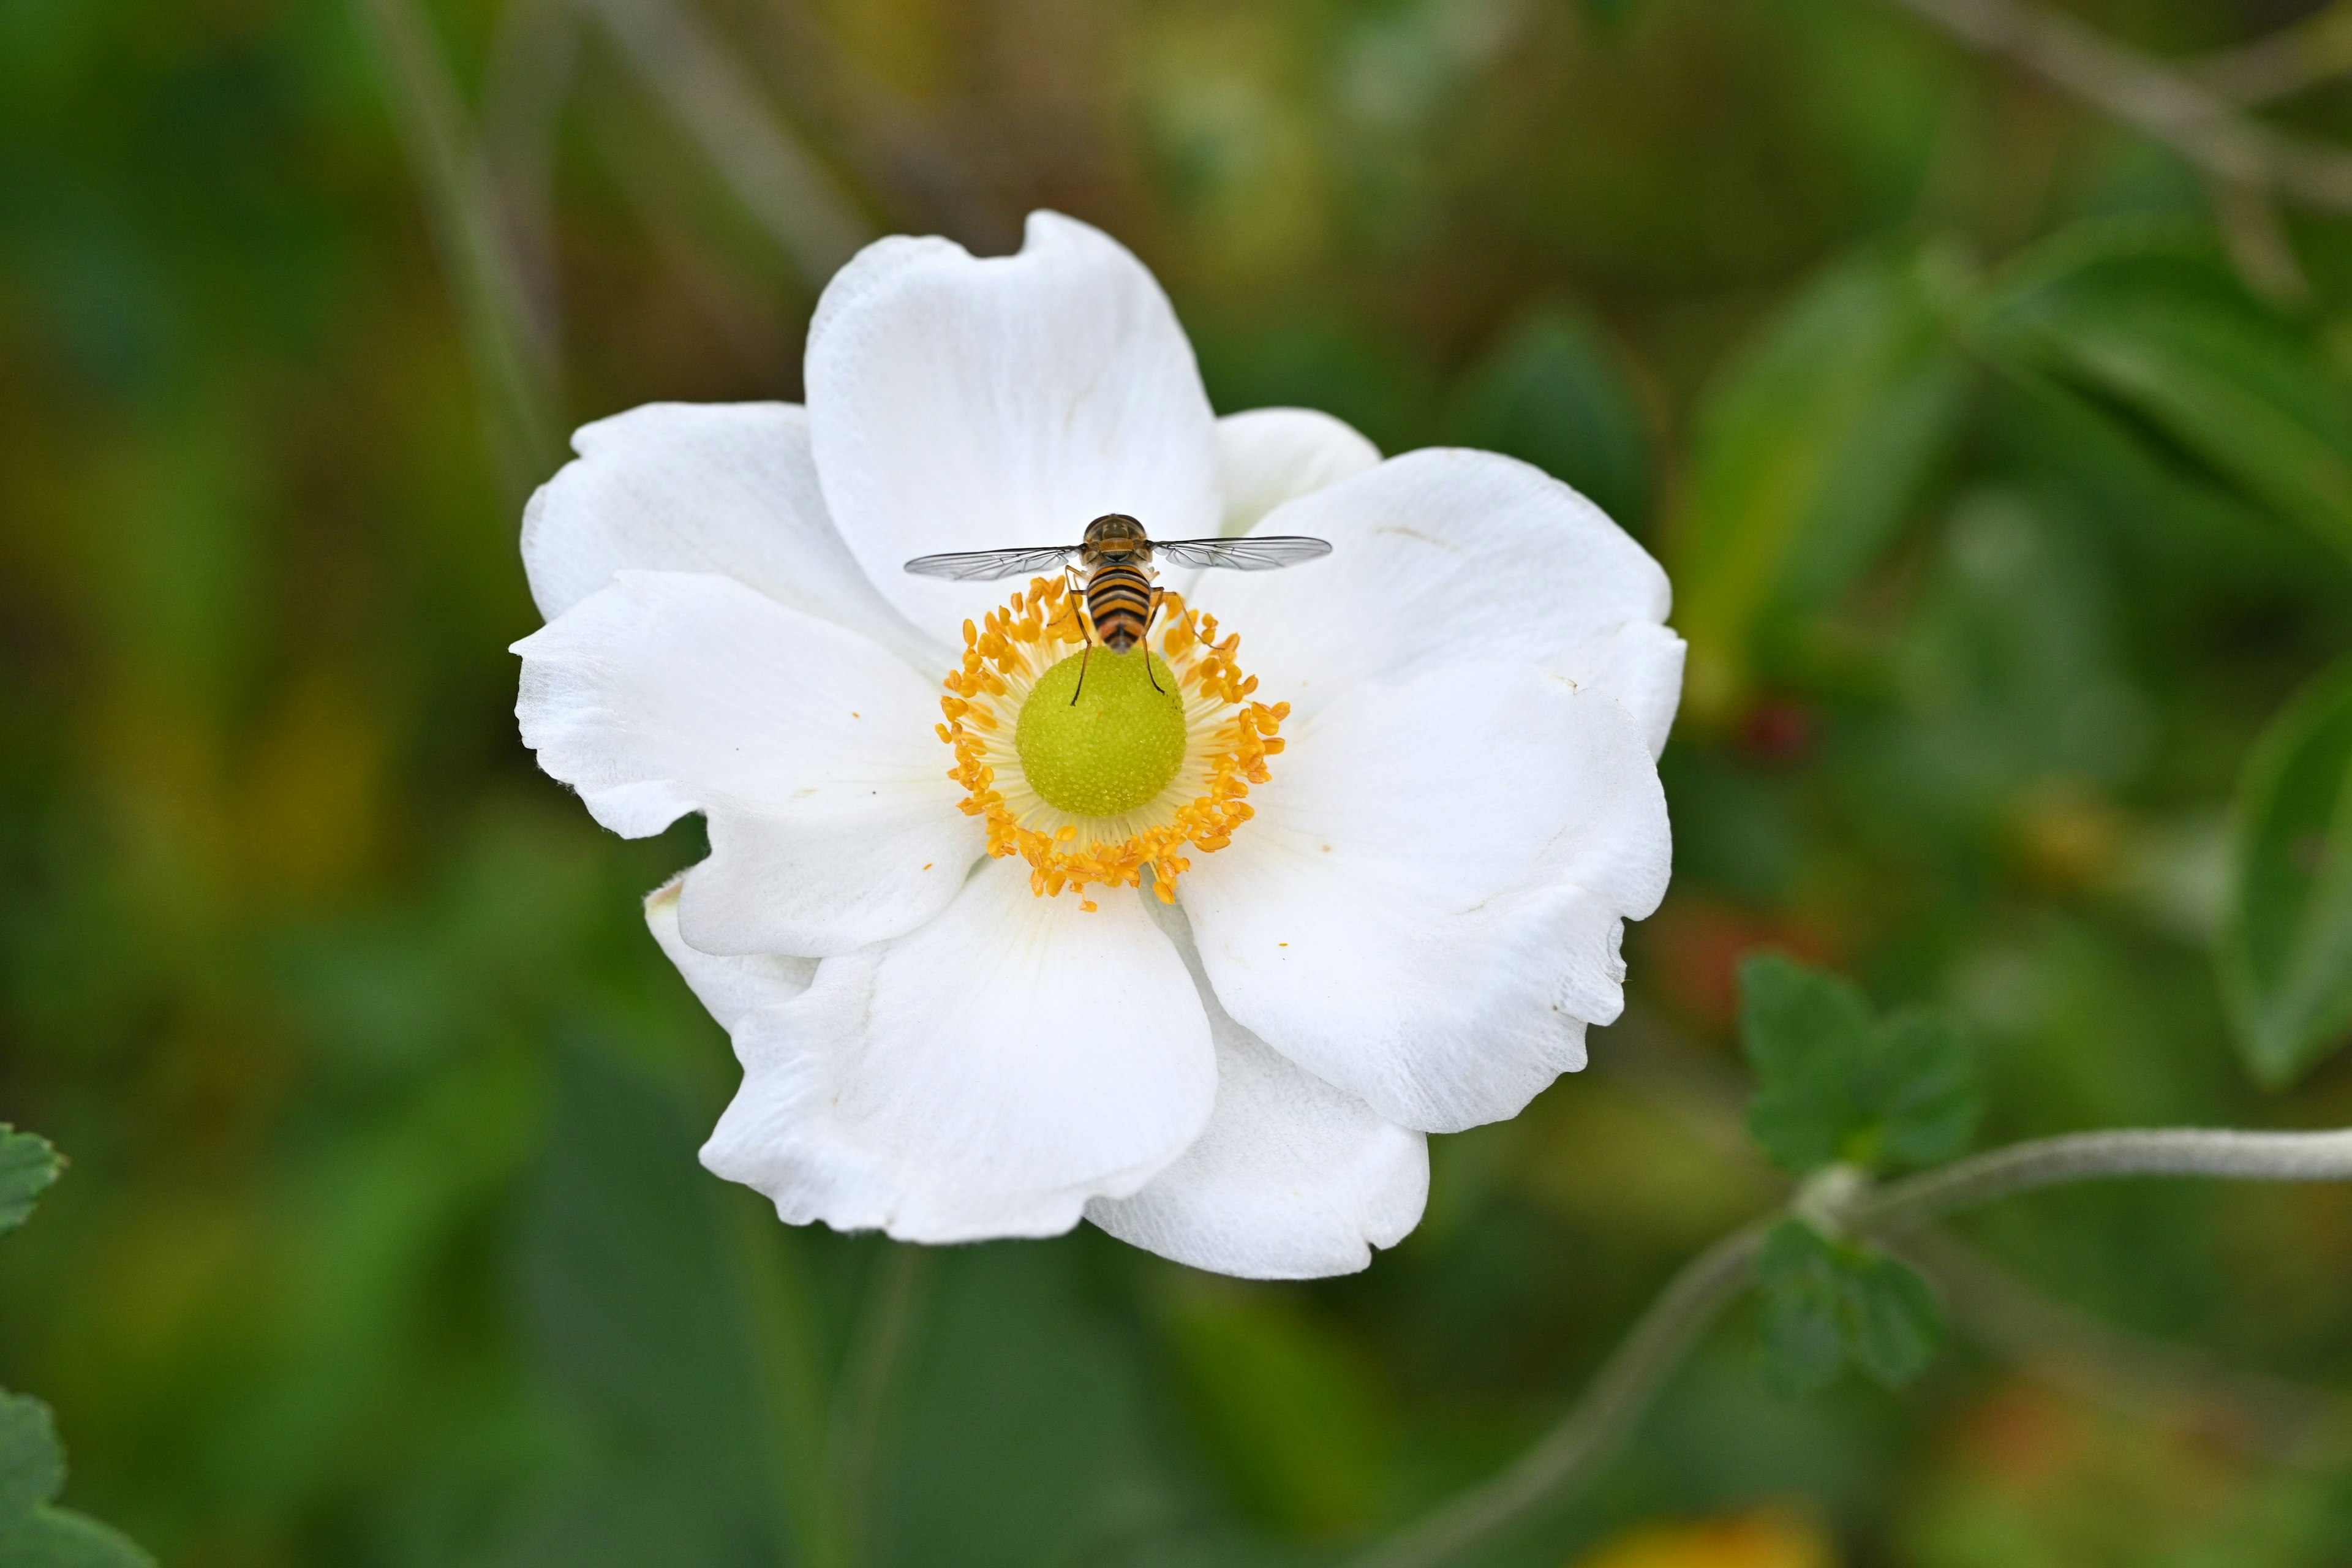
(1554, 393)
(1030, 1433)
(1893, 1321)
(1804, 1342)
(27, 1165)
(2148, 319)
(1835, 1083)
(1921, 1085)
(32, 1464)
(54, 1538)
(640, 1318)
(1831, 1304)
(2286, 953)
(1809, 451)
(1804, 1031)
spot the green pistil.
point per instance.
(1116, 747)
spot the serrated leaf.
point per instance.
(1555, 394)
(1893, 1321)
(1804, 1344)
(2286, 953)
(2148, 319)
(1830, 1304)
(1923, 1086)
(27, 1165)
(32, 1464)
(1803, 1032)
(1832, 1082)
(1808, 453)
(56, 1538)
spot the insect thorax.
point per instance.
(1114, 534)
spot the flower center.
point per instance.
(1101, 732)
(1151, 759)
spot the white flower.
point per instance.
(1394, 917)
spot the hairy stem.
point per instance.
(2096, 1156)
(1590, 1434)
(1622, 1392)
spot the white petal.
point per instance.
(728, 986)
(710, 486)
(811, 750)
(984, 1075)
(1443, 555)
(1640, 666)
(1426, 909)
(1293, 1179)
(1269, 455)
(959, 403)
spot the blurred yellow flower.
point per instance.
(1768, 1538)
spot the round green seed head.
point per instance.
(1116, 747)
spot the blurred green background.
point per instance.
(2008, 492)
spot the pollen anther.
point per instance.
(1229, 735)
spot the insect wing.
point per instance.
(1263, 555)
(988, 565)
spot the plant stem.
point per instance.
(1591, 1430)
(512, 358)
(767, 1259)
(2095, 1156)
(2143, 1377)
(1622, 1392)
(885, 1330)
(2301, 54)
(787, 191)
(2198, 111)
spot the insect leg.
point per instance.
(1086, 632)
(1151, 616)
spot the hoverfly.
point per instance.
(1113, 568)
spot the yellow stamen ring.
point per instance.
(1228, 738)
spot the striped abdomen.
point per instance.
(1119, 598)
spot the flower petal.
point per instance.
(1292, 1180)
(731, 987)
(1269, 455)
(811, 751)
(1440, 556)
(719, 486)
(959, 404)
(1426, 909)
(981, 1077)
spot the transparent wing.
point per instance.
(987, 565)
(1239, 554)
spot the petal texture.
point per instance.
(1292, 1180)
(730, 986)
(981, 1077)
(1269, 455)
(1426, 910)
(960, 404)
(811, 750)
(728, 488)
(1440, 556)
